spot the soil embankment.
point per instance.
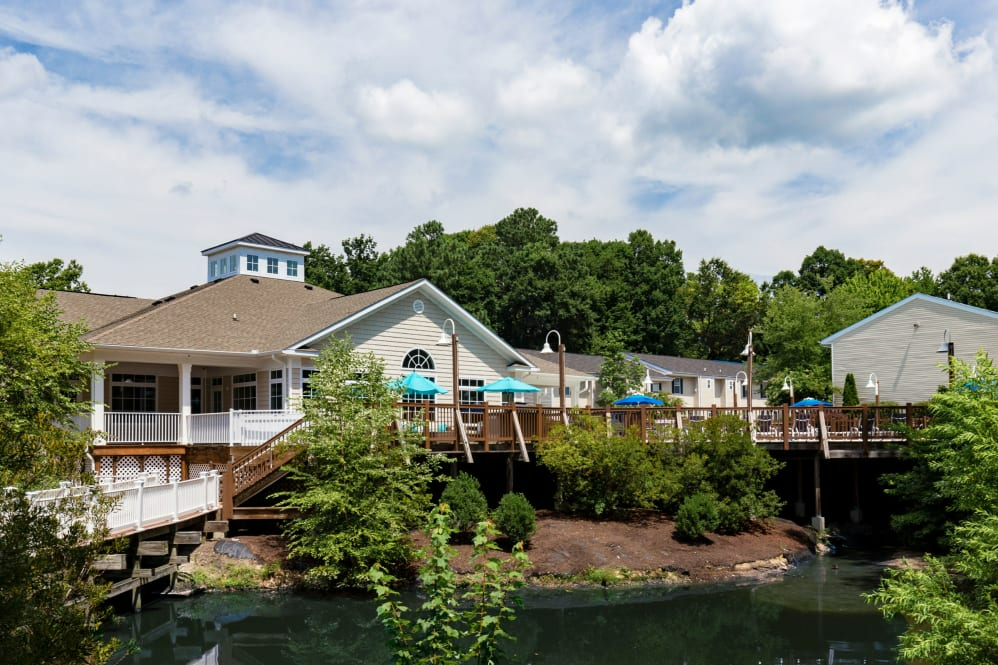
(568, 548)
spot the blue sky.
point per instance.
(136, 133)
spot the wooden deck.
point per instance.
(836, 431)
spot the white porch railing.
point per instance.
(234, 428)
(140, 504)
(122, 427)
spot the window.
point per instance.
(418, 359)
(216, 394)
(306, 382)
(252, 262)
(276, 390)
(133, 393)
(271, 265)
(409, 397)
(213, 269)
(292, 268)
(469, 391)
(677, 386)
(233, 263)
(744, 390)
(244, 392)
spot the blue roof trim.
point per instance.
(917, 296)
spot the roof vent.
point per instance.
(308, 287)
(254, 280)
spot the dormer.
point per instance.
(257, 255)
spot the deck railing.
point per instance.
(141, 503)
(492, 426)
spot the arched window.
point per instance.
(418, 359)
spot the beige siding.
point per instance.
(394, 331)
(904, 356)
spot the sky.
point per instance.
(134, 134)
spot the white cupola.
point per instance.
(257, 255)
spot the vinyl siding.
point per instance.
(394, 331)
(904, 356)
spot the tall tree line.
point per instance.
(522, 280)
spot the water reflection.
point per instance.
(816, 615)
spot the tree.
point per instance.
(55, 275)
(358, 491)
(824, 269)
(722, 305)
(364, 263)
(972, 280)
(50, 608)
(455, 624)
(618, 375)
(951, 606)
(326, 270)
(42, 376)
(850, 396)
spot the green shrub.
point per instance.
(466, 503)
(698, 514)
(515, 517)
(850, 396)
(599, 474)
(717, 457)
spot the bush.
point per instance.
(697, 515)
(850, 396)
(600, 474)
(515, 517)
(466, 503)
(717, 457)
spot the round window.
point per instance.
(417, 306)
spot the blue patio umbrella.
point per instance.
(417, 384)
(810, 401)
(509, 385)
(638, 399)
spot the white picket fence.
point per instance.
(140, 503)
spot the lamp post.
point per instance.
(749, 352)
(561, 369)
(949, 349)
(874, 383)
(788, 384)
(444, 341)
(740, 380)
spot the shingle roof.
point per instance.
(257, 239)
(690, 366)
(240, 314)
(575, 363)
(95, 309)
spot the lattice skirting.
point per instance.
(114, 468)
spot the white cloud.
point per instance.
(546, 89)
(743, 72)
(752, 130)
(403, 112)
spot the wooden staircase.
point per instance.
(260, 469)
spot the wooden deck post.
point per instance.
(786, 427)
(228, 492)
(818, 521)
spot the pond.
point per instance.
(814, 615)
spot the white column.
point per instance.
(185, 402)
(287, 384)
(97, 399)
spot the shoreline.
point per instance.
(567, 553)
